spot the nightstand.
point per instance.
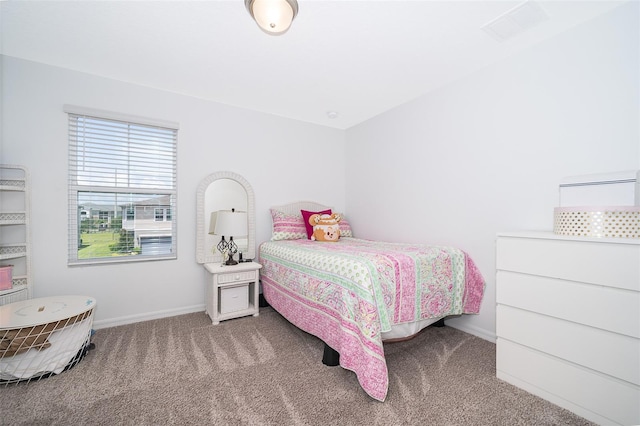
(232, 291)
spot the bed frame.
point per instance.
(295, 207)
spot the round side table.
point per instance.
(43, 336)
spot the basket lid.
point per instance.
(32, 312)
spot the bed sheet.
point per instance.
(348, 292)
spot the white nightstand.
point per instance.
(232, 291)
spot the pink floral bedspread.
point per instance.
(348, 292)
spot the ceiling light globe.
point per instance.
(273, 16)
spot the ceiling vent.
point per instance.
(515, 21)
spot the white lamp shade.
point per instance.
(273, 16)
(229, 223)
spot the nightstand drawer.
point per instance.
(237, 276)
(233, 299)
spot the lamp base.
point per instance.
(230, 261)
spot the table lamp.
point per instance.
(231, 223)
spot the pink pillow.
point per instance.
(287, 227)
(305, 218)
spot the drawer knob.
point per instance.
(237, 277)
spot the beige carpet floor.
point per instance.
(264, 371)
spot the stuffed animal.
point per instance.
(325, 227)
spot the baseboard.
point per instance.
(130, 319)
(554, 399)
(476, 331)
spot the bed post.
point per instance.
(330, 357)
(439, 323)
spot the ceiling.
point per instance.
(355, 58)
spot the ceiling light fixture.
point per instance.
(273, 16)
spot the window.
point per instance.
(159, 215)
(122, 187)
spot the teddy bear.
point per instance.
(325, 227)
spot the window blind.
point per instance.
(120, 170)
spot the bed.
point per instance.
(355, 294)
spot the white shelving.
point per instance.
(15, 233)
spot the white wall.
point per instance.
(486, 154)
(274, 154)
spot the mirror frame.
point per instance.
(205, 254)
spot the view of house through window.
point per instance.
(131, 223)
(121, 190)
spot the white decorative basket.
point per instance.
(43, 337)
(608, 222)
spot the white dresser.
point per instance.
(568, 322)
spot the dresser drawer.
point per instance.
(586, 392)
(601, 263)
(609, 353)
(237, 276)
(608, 308)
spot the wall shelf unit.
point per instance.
(15, 234)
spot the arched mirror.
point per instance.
(224, 191)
